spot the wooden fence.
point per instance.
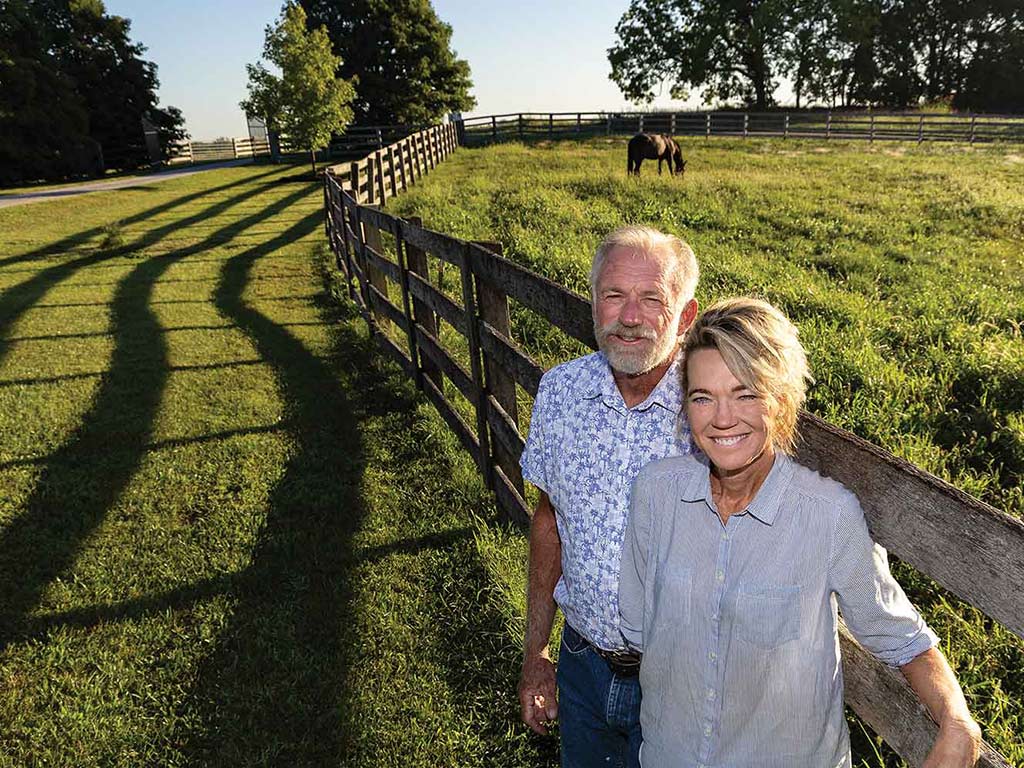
(868, 126)
(225, 149)
(971, 549)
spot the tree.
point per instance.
(74, 90)
(307, 102)
(728, 49)
(400, 53)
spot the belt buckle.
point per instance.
(622, 663)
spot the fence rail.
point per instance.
(968, 547)
(868, 126)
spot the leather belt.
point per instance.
(621, 663)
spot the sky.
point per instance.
(529, 56)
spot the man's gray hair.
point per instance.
(650, 241)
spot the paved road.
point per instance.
(23, 198)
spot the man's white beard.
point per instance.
(641, 359)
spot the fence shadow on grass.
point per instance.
(71, 242)
(268, 693)
(83, 479)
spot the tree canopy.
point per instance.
(306, 102)
(893, 53)
(399, 53)
(75, 90)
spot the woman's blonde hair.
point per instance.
(761, 348)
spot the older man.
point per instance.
(596, 422)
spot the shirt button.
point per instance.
(707, 730)
(725, 537)
(720, 575)
(711, 694)
(712, 655)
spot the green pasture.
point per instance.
(230, 536)
(902, 266)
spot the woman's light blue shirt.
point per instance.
(738, 622)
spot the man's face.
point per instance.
(636, 320)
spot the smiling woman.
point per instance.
(734, 565)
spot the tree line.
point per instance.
(74, 90)
(968, 54)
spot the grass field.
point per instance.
(901, 264)
(228, 535)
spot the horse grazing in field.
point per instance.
(654, 146)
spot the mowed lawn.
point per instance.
(230, 535)
(902, 266)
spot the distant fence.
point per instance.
(867, 126)
(225, 149)
(356, 142)
(967, 546)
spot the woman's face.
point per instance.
(730, 423)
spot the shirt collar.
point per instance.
(768, 499)
(600, 382)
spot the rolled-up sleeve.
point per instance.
(633, 568)
(873, 604)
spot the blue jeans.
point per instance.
(598, 711)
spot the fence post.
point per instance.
(234, 147)
(828, 125)
(640, 123)
(872, 139)
(360, 259)
(392, 175)
(382, 196)
(371, 181)
(376, 278)
(473, 336)
(672, 124)
(380, 139)
(520, 126)
(423, 315)
(973, 119)
(353, 180)
(785, 127)
(746, 124)
(403, 281)
(494, 128)
(608, 126)
(579, 122)
(920, 128)
(551, 124)
(707, 126)
(494, 312)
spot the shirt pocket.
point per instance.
(672, 597)
(768, 617)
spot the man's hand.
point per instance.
(956, 746)
(537, 686)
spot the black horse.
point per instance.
(650, 146)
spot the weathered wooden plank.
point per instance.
(442, 246)
(886, 702)
(510, 357)
(506, 430)
(395, 353)
(449, 311)
(511, 502)
(563, 308)
(381, 262)
(382, 305)
(970, 548)
(422, 312)
(372, 242)
(500, 384)
(385, 222)
(458, 375)
(477, 369)
(453, 419)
